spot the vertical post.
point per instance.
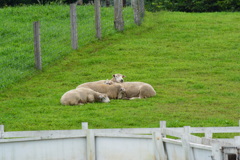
(138, 8)
(37, 46)
(136, 12)
(216, 151)
(73, 17)
(118, 16)
(186, 144)
(90, 145)
(141, 9)
(237, 140)
(98, 19)
(208, 133)
(155, 138)
(163, 126)
(1, 131)
(84, 125)
(160, 153)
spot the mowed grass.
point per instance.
(191, 59)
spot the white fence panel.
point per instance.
(53, 149)
(174, 150)
(200, 154)
(109, 148)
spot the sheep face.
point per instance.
(104, 98)
(122, 94)
(118, 78)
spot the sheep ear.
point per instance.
(113, 75)
(123, 76)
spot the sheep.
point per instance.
(113, 91)
(81, 96)
(117, 78)
(138, 90)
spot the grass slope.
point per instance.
(191, 59)
(16, 32)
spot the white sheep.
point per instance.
(138, 90)
(113, 91)
(80, 96)
(117, 78)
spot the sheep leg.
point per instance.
(134, 98)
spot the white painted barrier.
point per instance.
(120, 144)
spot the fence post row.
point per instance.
(37, 46)
(138, 6)
(73, 17)
(118, 16)
(98, 19)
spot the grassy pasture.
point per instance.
(16, 32)
(191, 59)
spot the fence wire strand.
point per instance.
(16, 31)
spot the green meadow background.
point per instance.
(191, 60)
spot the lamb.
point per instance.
(138, 90)
(113, 91)
(81, 96)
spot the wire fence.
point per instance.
(17, 37)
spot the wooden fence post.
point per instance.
(37, 46)
(237, 140)
(163, 126)
(98, 18)
(136, 12)
(118, 16)
(90, 145)
(216, 151)
(160, 153)
(208, 133)
(186, 144)
(141, 9)
(84, 125)
(73, 17)
(138, 8)
(1, 131)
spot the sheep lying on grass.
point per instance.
(101, 91)
(138, 90)
(117, 78)
(113, 91)
(80, 96)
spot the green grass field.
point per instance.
(16, 31)
(191, 59)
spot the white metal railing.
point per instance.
(119, 144)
